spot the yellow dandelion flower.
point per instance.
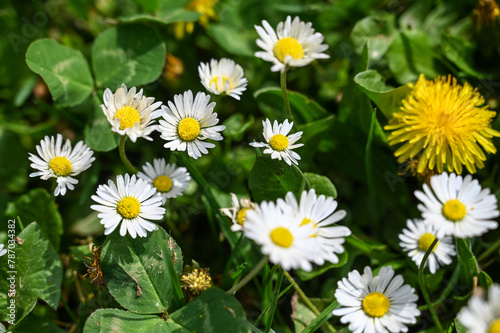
(444, 124)
(205, 8)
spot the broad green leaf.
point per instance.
(98, 134)
(461, 53)
(319, 270)
(301, 314)
(135, 273)
(39, 206)
(322, 185)
(459, 327)
(236, 126)
(163, 16)
(484, 280)
(13, 174)
(36, 271)
(212, 311)
(387, 99)
(131, 54)
(36, 324)
(313, 128)
(466, 260)
(115, 320)
(378, 31)
(148, 5)
(272, 179)
(232, 39)
(64, 70)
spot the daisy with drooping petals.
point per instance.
(444, 125)
(223, 77)
(294, 44)
(186, 124)
(61, 162)
(417, 239)
(2, 250)
(457, 206)
(377, 304)
(278, 144)
(238, 213)
(130, 113)
(482, 315)
(281, 236)
(131, 202)
(169, 181)
(318, 211)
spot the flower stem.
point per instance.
(306, 299)
(250, 276)
(421, 282)
(284, 92)
(123, 156)
(489, 251)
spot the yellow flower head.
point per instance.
(444, 124)
(485, 14)
(196, 281)
(205, 8)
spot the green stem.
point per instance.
(250, 276)
(446, 291)
(489, 251)
(70, 313)
(284, 92)
(306, 299)
(421, 282)
(123, 156)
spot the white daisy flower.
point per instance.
(278, 144)
(482, 315)
(188, 123)
(417, 239)
(377, 304)
(280, 236)
(238, 212)
(294, 44)
(223, 77)
(318, 211)
(458, 206)
(61, 162)
(169, 181)
(130, 113)
(131, 201)
(2, 250)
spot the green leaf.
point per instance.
(322, 318)
(232, 39)
(130, 54)
(377, 30)
(461, 53)
(301, 314)
(236, 126)
(36, 324)
(484, 280)
(64, 70)
(135, 273)
(272, 179)
(39, 206)
(466, 260)
(459, 327)
(37, 272)
(322, 185)
(313, 128)
(13, 174)
(148, 5)
(98, 134)
(164, 16)
(114, 320)
(319, 270)
(387, 98)
(212, 311)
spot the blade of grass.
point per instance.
(321, 319)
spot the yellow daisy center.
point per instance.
(241, 215)
(163, 183)
(288, 46)
(494, 326)
(128, 116)
(129, 207)
(425, 242)
(454, 210)
(282, 237)
(376, 304)
(224, 79)
(188, 129)
(279, 142)
(61, 166)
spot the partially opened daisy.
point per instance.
(278, 143)
(281, 236)
(457, 206)
(237, 213)
(318, 212)
(377, 304)
(223, 77)
(131, 113)
(60, 161)
(169, 181)
(482, 314)
(132, 202)
(186, 124)
(293, 44)
(418, 237)
(2, 250)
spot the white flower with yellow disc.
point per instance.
(278, 143)
(61, 162)
(187, 123)
(223, 77)
(168, 180)
(131, 113)
(237, 213)
(293, 44)
(132, 202)
(482, 313)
